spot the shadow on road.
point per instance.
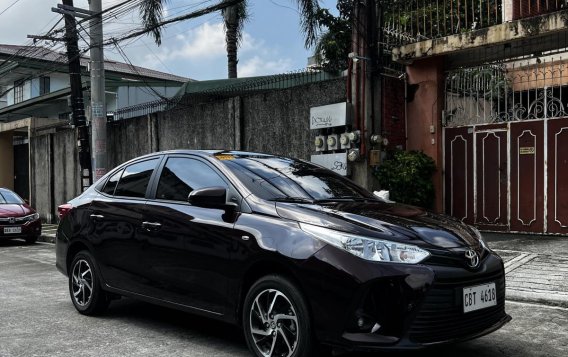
(162, 319)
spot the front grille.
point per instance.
(441, 316)
(16, 221)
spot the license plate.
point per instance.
(479, 297)
(12, 230)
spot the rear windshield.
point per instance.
(7, 197)
(270, 178)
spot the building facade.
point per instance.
(34, 99)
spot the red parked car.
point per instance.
(17, 218)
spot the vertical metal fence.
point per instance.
(408, 21)
(514, 91)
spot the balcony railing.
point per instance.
(408, 21)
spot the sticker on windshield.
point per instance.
(223, 157)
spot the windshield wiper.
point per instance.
(293, 199)
(344, 199)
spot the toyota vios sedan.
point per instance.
(17, 218)
(295, 254)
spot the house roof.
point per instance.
(42, 54)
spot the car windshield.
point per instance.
(8, 197)
(279, 178)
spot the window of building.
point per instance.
(18, 91)
(44, 85)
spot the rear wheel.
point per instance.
(84, 285)
(276, 319)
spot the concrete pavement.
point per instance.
(536, 266)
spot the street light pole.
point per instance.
(98, 105)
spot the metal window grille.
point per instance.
(521, 90)
(44, 85)
(18, 91)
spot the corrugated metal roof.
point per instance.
(42, 54)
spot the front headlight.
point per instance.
(377, 250)
(32, 217)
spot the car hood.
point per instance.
(14, 210)
(393, 221)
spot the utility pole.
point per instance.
(77, 103)
(98, 105)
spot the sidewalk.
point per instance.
(536, 267)
(48, 233)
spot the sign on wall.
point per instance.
(335, 162)
(329, 116)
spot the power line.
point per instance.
(8, 8)
(191, 15)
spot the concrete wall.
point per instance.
(426, 82)
(6, 160)
(41, 177)
(278, 122)
(273, 122)
(54, 172)
(201, 126)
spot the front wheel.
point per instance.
(276, 319)
(84, 286)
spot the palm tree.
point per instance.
(234, 19)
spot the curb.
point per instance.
(46, 239)
(550, 298)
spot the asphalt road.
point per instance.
(37, 318)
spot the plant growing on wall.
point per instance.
(408, 177)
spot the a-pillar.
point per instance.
(7, 160)
(425, 104)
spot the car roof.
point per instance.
(210, 153)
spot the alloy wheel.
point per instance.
(82, 283)
(274, 324)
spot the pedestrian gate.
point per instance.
(508, 176)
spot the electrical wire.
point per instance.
(9, 7)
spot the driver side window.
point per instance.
(180, 176)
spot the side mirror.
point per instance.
(209, 197)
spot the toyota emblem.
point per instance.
(11, 220)
(473, 258)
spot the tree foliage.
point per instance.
(234, 18)
(334, 44)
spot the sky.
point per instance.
(272, 41)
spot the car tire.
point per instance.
(276, 319)
(31, 239)
(84, 285)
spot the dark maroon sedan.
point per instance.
(17, 218)
(292, 252)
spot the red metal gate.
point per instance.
(557, 208)
(511, 176)
(491, 177)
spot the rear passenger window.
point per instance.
(135, 179)
(111, 183)
(180, 176)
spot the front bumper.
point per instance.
(407, 306)
(29, 229)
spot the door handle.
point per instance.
(97, 216)
(152, 226)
